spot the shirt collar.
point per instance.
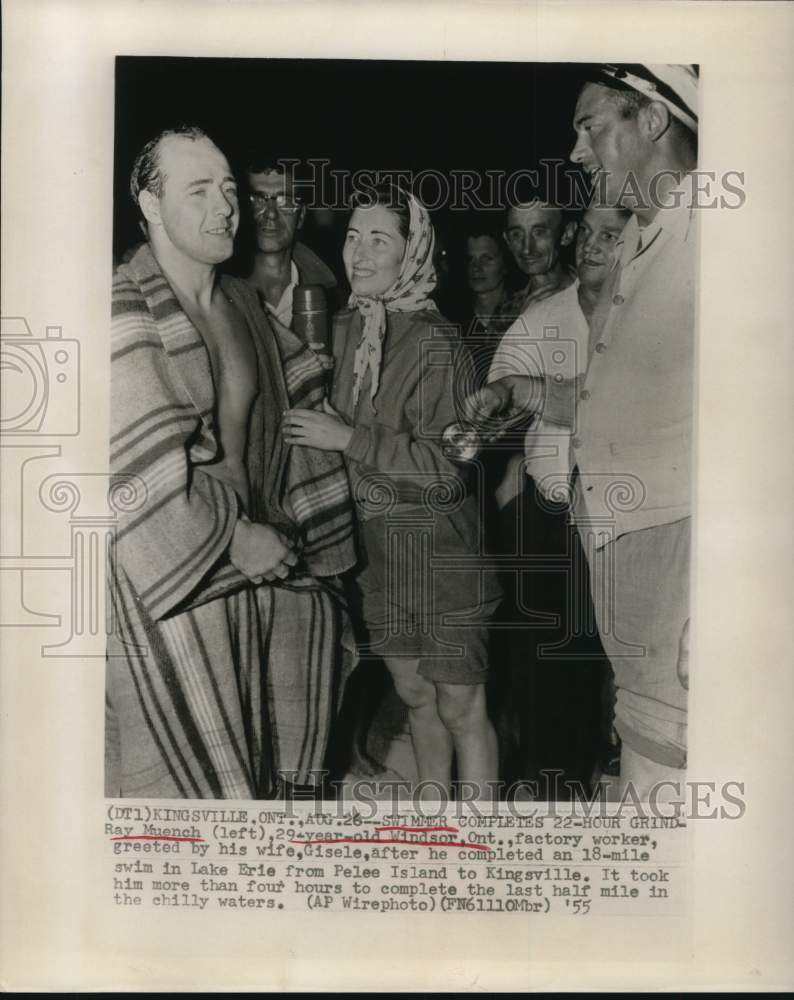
(674, 217)
(284, 306)
(678, 212)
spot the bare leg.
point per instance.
(463, 710)
(431, 740)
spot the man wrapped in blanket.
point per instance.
(230, 647)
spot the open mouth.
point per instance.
(221, 231)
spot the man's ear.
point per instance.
(656, 120)
(149, 205)
(568, 234)
(301, 217)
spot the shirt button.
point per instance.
(600, 347)
(576, 442)
(585, 394)
(618, 300)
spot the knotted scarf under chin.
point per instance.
(409, 293)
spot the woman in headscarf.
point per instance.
(419, 532)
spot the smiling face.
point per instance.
(608, 146)
(534, 235)
(197, 212)
(485, 265)
(277, 215)
(373, 251)
(596, 244)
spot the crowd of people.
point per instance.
(316, 579)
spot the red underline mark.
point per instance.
(181, 840)
(418, 829)
(405, 843)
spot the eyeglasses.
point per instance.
(282, 202)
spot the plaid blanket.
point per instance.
(213, 683)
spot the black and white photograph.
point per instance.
(402, 372)
(395, 530)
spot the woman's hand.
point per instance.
(326, 431)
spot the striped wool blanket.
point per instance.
(213, 683)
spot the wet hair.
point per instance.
(389, 196)
(147, 173)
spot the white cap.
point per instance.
(675, 85)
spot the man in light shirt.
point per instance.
(631, 412)
(553, 335)
(557, 671)
(536, 231)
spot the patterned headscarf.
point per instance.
(409, 293)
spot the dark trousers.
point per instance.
(549, 667)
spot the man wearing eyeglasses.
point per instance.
(280, 261)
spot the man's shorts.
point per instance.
(640, 588)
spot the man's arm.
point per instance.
(518, 381)
(512, 397)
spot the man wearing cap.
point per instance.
(631, 411)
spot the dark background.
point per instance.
(357, 114)
(414, 116)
